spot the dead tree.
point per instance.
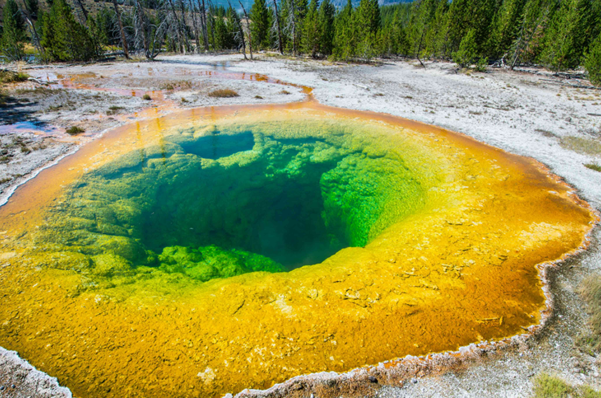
(292, 21)
(184, 26)
(250, 41)
(141, 29)
(203, 24)
(178, 25)
(121, 30)
(154, 49)
(240, 30)
(35, 38)
(277, 22)
(83, 11)
(195, 25)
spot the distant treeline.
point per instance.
(559, 34)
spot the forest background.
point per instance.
(557, 34)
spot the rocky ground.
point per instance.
(530, 112)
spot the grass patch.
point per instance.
(593, 166)
(587, 146)
(74, 130)
(223, 93)
(547, 386)
(3, 98)
(7, 76)
(36, 91)
(113, 110)
(180, 84)
(590, 291)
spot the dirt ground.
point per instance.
(530, 112)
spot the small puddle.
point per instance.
(22, 127)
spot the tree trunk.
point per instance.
(184, 25)
(195, 25)
(419, 49)
(277, 20)
(203, 22)
(121, 30)
(294, 50)
(140, 26)
(34, 34)
(178, 27)
(241, 32)
(83, 10)
(250, 41)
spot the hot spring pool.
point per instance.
(218, 249)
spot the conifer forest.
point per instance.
(558, 34)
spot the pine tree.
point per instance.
(458, 23)
(33, 8)
(394, 39)
(366, 21)
(287, 20)
(311, 30)
(465, 15)
(504, 27)
(435, 38)
(568, 35)
(13, 10)
(345, 40)
(13, 33)
(234, 26)
(63, 38)
(592, 63)
(526, 47)
(261, 24)
(326, 27)
(467, 52)
(422, 14)
(221, 34)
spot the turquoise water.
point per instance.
(212, 203)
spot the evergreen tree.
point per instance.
(458, 23)
(465, 15)
(15, 14)
(423, 12)
(33, 8)
(13, 33)
(63, 38)
(366, 21)
(592, 63)
(345, 41)
(467, 52)
(311, 30)
(568, 35)
(326, 27)
(222, 40)
(261, 24)
(234, 28)
(504, 27)
(107, 29)
(527, 45)
(435, 37)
